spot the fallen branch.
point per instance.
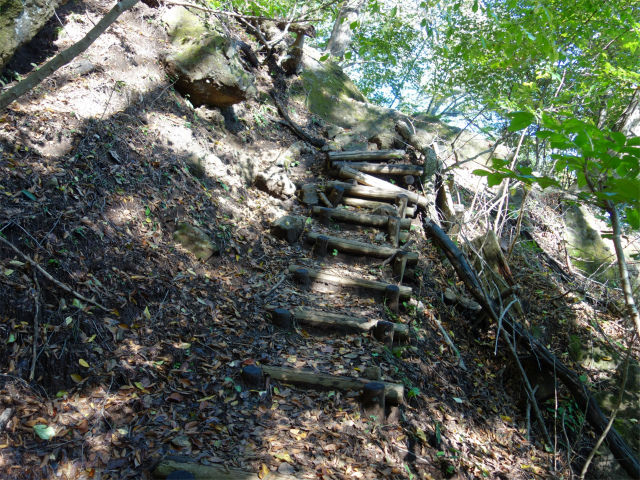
(316, 142)
(585, 400)
(65, 57)
(50, 278)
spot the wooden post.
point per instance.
(302, 277)
(392, 297)
(399, 265)
(401, 204)
(383, 332)
(409, 180)
(335, 197)
(393, 231)
(325, 216)
(372, 399)
(320, 248)
(282, 316)
(252, 376)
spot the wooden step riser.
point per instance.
(394, 392)
(361, 248)
(360, 156)
(379, 221)
(378, 169)
(321, 281)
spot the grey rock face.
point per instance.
(276, 183)
(20, 21)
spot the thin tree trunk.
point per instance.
(65, 57)
(341, 34)
(622, 266)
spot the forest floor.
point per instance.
(92, 167)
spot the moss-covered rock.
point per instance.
(195, 240)
(206, 65)
(329, 93)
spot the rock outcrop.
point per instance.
(20, 21)
(206, 66)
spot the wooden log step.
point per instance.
(380, 169)
(345, 322)
(350, 282)
(361, 156)
(371, 181)
(380, 221)
(386, 194)
(393, 392)
(207, 472)
(372, 204)
(361, 248)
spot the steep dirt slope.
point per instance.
(97, 167)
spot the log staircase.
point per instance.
(372, 179)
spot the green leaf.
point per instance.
(45, 432)
(520, 120)
(324, 57)
(29, 195)
(474, 9)
(633, 217)
(353, 25)
(495, 179)
(12, 338)
(481, 173)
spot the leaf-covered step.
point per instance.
(380, 221)
(387, 193)
(379, 169)
(379, 288)
(362, 156)
(360, 248)
(338, 321)
(371, 181)
(393, 392)
(372, 204)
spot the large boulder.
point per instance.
(207, 66)
(592, 253)
(20, 21)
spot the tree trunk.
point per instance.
(629, 121)
(65, 57)
(341, 34)
(622, 266)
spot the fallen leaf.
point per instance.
(175, 397)
(284, 457)
(45, 432)
(83, 363)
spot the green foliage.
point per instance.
(605, 161)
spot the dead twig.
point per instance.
(449, 342)
(50, 278)
(272, 289)
(36, 327)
